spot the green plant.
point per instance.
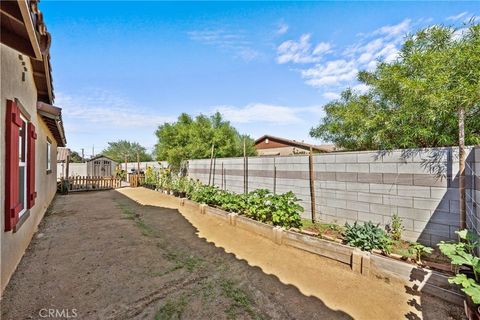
(462, 253)
(419, 250)
(286, 210)
(396, 227)
(150, 176)
(367, 237)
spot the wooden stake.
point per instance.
(138, 163)
(461, 167)
(312, 184)
(213, 171)
(274, 177)
(222, 175)
(211, 163)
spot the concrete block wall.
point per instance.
(420, 185)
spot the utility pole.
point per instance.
(93, 151)
(83, 155)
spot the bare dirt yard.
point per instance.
(106, 256)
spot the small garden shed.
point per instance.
(101, 166)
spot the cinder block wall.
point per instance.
(420, 185)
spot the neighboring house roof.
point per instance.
(298, 144)
(100, 156)
(53, 118)
(62, 154)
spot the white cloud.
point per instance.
(301, 51)
(458, 16)
(233, 42)
(330, 73)
(394, 30)
(331, 95)
(341, 70)
(282, 28)
(266, 113)
(106, 109)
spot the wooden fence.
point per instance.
(82, 183)
(136, 180)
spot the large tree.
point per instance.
(192, 138)
(428, 97)
(123, 149)
(414, 101)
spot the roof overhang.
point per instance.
(23, 29)
(52, 116)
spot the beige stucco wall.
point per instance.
(13, 245)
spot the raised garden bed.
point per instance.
(365, 263)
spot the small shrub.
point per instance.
(396, 227)
(367, 237)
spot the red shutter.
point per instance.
(12, 203)
(31, 194)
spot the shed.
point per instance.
(101, 166)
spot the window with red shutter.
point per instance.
(13, 203)
(31, 193)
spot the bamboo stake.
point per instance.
(244, 168)
(222, 176)
(312, 184)
(213, 171)
(274, 177)
(211, 163)
(461, 169)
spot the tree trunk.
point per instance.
(461, 167)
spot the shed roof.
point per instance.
(100, 156)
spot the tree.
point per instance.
(123, 149)
(192, 138)
(428, 97)
(75, 157)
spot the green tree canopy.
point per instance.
(75, 157)
(192, 138)
(413, 101)
(122, 148)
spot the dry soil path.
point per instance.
(109, 257)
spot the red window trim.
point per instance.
(31, 138)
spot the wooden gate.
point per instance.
(136, 180)
(80, 183)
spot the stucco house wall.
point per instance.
(13, 244)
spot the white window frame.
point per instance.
(23, 164)
(49, 156)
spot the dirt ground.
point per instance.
(101, 255)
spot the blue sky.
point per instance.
(122, 68)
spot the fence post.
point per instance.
(312, 184)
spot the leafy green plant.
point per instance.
(367, 237)
(396, 227)
(151, 176)
(261, 205)
(419, 250)
(463, 253)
